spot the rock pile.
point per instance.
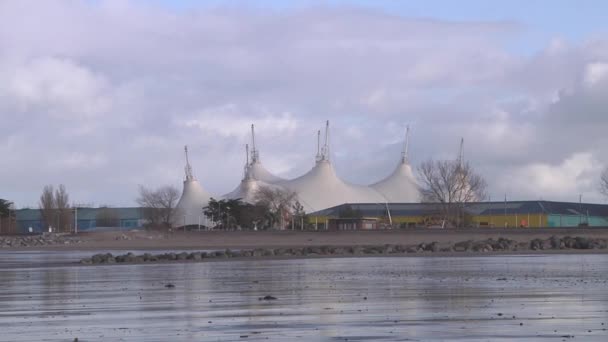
(46, 239)
(481, 246)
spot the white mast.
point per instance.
(254, 152)
(404, 154)
(318, 157)
(461, 153)
(246, 168)
(325, 149)
(188, 168)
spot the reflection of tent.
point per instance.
(321, 188)
(400, 186)
(193, 199)
(254, 176)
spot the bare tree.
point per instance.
(278, 202)
(451, 184)
(55, 210)
(64, 212)
(604, 182)
(47, 206)
(159, 205)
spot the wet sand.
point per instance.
(142, 240)
(531, 298)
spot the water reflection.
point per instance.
(471, 298)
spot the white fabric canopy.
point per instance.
(400, 186)
(258, 172)
(320, 188)
(191, 203)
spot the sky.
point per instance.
(101, 96)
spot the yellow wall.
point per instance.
(496, 221)
(407, 219)
(512, 220)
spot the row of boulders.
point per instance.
(46, 239)
(553, 242)
(488, 245)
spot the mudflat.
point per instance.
(192, 240)
(473, 298)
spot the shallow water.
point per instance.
(534, 298)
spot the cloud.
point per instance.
(103, 95)
(57, 88)
(595, 73)
(565, 181)
(229, 120)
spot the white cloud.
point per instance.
(57, 87)
(233, 121)
(117, 88)
(576, 174)
(595, 73)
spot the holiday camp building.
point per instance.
(523, 214)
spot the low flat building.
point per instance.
(353, 223)
(522, 214)
(88, 219)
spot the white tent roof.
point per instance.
(247, 190)
(320, 188)
(193, 199)
(255, 175)
(258, 172)
(191, 203)
(400, 186)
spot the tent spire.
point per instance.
(325, 149)
(254, 153)
(246, 168)
(318, 157)
(188, 168)
(461, 153)
(404, 154)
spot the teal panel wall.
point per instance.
(574, 220)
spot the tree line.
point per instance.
(272, 208)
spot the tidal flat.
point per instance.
(47, 296)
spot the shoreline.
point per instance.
(554, 243)
(204, 240)
(424, 255)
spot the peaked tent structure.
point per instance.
(400, 186)
(256, 170)
(193, 199)
(254, 175)
(321, 188)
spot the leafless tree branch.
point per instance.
(159, 205)
(450, 184)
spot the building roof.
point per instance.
(191, 203)
(85, 213)
(321, 188)
(478, 208)
(257, 171)
(400, 186)
(247, 190)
